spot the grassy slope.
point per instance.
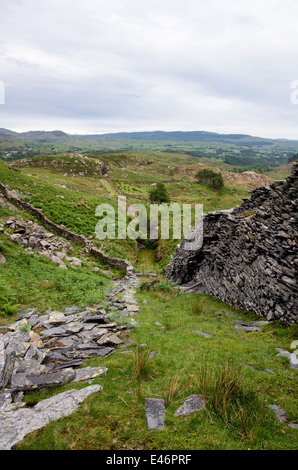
(130, 175)
(34, 281)
(73, 207)
(115, 418)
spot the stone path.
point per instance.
(48, 349)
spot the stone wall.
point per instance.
(12, 197)
(249, 254)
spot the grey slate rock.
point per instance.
(152, 354)
(24, 381)
(248, 328)
(191, 405)
(57, 331)
(71, 310)
(89, 373)
(15, 425)
(90, 352)
(155, 413)
(202, 333)
(293, 425)
(6, 372)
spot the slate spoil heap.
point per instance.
(249, 254)
(48, 349)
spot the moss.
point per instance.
(248, 214)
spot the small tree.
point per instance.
(211, 178)
(159, 194)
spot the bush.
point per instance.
(159, 194)
(211, 178)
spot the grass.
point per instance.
(171, 388)
(228, 399)
(142, 365)
(34, 281)
(197, 307)
(236, 414)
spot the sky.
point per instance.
(96, 66)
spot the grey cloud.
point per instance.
(151, 64)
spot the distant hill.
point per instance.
(191, 136)
(177, 136)
(35, 136)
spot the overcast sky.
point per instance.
(93, 66)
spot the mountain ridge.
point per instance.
(178, 136)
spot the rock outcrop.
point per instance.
(249, 254)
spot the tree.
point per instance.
(211, 178)
(293, 158)
(159, 194)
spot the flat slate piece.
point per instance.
(247, 328)
(155, 413)
(202, 333)
(15, 425)
(89, 373)
(192, 404)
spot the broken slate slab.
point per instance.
(57, 331)
(202, 333)
(133, 308)
(155, 413)
(293, 425)
(247, 328)
(260, 323)
(6, 372)
(56, 318)
(25, 381)
(89, 373)
(266, 371)
(191, 405)
(94, 351)
(152, 354)
(280, 414)
(109, 339)
(15, 425)
(71, 310)
(291, 356)
(73, 328)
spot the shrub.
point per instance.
(211, 178)
(159, 194)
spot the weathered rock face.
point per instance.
(249, 254)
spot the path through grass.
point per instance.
(115, 418)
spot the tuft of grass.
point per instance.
(228, 398)
(142, 366)
(197, 307)
(161, 290)
(171, 389)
